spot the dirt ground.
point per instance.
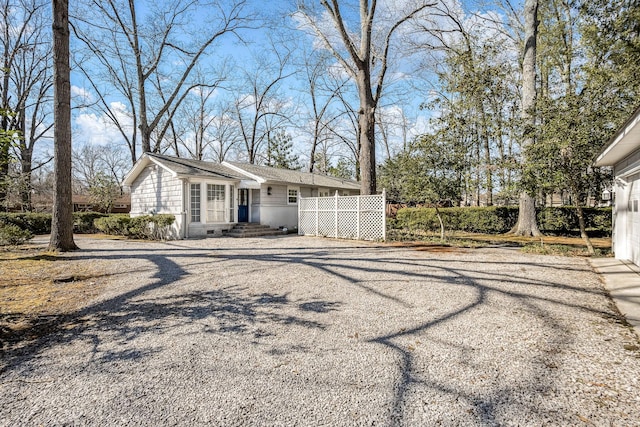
(38, 288)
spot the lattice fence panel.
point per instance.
(326, 224)
(348, 225)
(346, 217)
(370, 223)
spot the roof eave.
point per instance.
(141, 164)
(624, 142)
(257, 178)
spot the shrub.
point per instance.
(12, 235)
(497, 220)
(490, 220)
(564, 220)
(83, 222)
(154, 227)
(114, 224)
(35, 223)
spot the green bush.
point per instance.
(564, 220)
(83, 222)
(35, 223)
(154, 227)
(113, 224)
(40, 223)
(497, 220)
(12, 235)
(491, 220)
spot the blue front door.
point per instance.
(243, 205)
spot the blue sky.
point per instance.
(93, 128)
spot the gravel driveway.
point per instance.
(307, 331)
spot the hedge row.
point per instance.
(496, 220)
(40, 223)
(144, 227)
(155, 227)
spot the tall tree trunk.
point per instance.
(367, 125)
(487, 162)
(62, 220)
(527, 225)
(581, 223)
(5, 141)
(312, 154)
(26, 168)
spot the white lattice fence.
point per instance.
(344, 217)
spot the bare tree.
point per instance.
(33, 81)
(259, 109)
(224, 133)
(202, 128)
(25, 88)
(91, 161)
(62, 220)
(321, 89)
(139, 48)
(365, 60)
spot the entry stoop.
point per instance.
(246, 229)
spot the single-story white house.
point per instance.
(208, 198)
(623, 153)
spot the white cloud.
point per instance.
(80, 93)
(100, 129)
(421, 126)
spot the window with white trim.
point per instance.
(232, 205)
(195, 202)
(215, 202)
(292, 195)
(323, 192)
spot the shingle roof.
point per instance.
(183, 166)
(270, 174)
(240, 171)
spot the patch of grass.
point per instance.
(563, 250)
(549, 245)
(36, 285)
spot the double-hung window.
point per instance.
(292, 195)
(215, 202)
(195, 202)
(232, 207)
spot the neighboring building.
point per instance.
(623, 153)
(208, 198)
(83, 203)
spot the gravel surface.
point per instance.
(308, 331)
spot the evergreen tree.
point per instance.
(280, 151)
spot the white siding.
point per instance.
(255, 206)
(278, 196)
(633, 218)
(626, 231)
(279, 216)
(156, 191)
(275, 211)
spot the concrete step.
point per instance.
(252, 230)
(256, 233)
(251, 227)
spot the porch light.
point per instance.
(268, 191)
